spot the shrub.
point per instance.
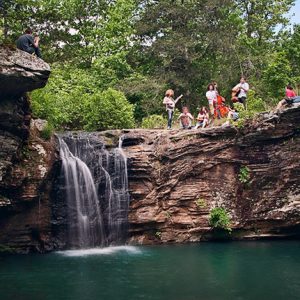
(62, 102)
(255, 105)
(219, 218)
(154, 122)
(108, 110)
(74, 99)
(244, 174)
(47, 132)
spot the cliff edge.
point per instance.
(177, 177)
(25, 159)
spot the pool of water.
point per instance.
(244, 270)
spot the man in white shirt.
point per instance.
(242, 89)
(211, 96)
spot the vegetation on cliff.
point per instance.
(127, 52)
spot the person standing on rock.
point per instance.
(211, 96)
(26, 42)
(170, 105)
(242, 90)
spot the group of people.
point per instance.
(216, 104)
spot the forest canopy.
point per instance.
(113, 60)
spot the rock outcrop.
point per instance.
(21, 72)
(25, 159)
(177, 177)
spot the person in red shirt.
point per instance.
(289, 92)
(290, 98)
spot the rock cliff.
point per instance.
(25, 159)
(176, 178)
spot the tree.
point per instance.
(109, 110)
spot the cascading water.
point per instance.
(96, 189)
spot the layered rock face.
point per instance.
(25, 159)
(176, 178)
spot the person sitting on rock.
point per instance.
(28, 43)
(202, 118)
(290, 98)
(170, 105)
(233, 115)
(185, 118)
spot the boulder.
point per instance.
(21, 72)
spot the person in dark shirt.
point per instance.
(28, 43)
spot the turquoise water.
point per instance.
(253, 270)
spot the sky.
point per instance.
(295, 10)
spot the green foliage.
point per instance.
(47, 132)
(108, 110)
(255, 105)
(73, 100)
(244, 174)
(201, 203)
(141, 48)
(154, 122)
(219, 218)
(277, 75)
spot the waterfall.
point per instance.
(96, 190)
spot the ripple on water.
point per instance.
(100, 251)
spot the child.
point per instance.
(170, 105)
(202, 118)
(185, 119)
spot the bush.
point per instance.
(255, 105)
(47, 132)
(154, 122)
(108, 110)
(219, 218)
(244, 175)
(62, 102)
(73, 100)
